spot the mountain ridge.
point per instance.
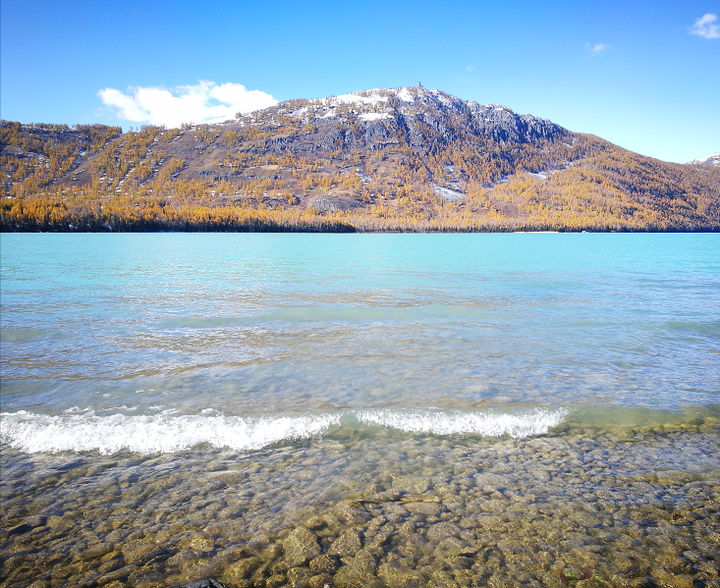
(372, 160)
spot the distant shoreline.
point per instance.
(351, 230)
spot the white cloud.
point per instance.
(199, 103)
(705, 27)
(595, 49)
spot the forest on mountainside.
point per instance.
(275, 172)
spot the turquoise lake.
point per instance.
(360, 410)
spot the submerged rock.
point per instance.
(348, 544)
(207, 584)
(300, 547)
(242, 569)
(323, 564)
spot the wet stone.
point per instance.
(200, 543)
(386, 496)
(137, 552)
(315, 523)
(411, 485)
(60, 524)
(206, 584)
(95, 551)
(114, 562)
(346, 545)
(442, 579)
(488, 480)
(300, 547)
(299, 577)
(459, 562)
(406, 530)
(442, 530)
(352, 512)
(364, 563)
(29, 525)
(324, 564)
(380, 539)
(453, 546)
(400, 572)
(320, 581)
(375, 524)
(424, 508)
(276, 581)
(118, 574)
(241, 570)
(271, 553)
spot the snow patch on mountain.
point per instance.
(373, 116)
(367, 97)
(712, 160)
(405, 95)
(220, 120)
(300, 112)
(450, 195)
(443, 98)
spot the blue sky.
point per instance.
(644, 75)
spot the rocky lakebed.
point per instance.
(572, 508)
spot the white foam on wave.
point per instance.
(163, 433)
(169, 432)
(454, 422)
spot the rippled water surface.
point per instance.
(360, 410)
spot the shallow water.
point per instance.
(360, 410)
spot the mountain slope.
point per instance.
(401, 159)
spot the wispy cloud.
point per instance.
(194, 103)
(597, 48)
(705, 27)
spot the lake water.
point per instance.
(360, 410)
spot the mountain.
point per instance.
(709, 160)
(406, 159)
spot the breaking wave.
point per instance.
(164, 433)
(485, 423)
(170, 432)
